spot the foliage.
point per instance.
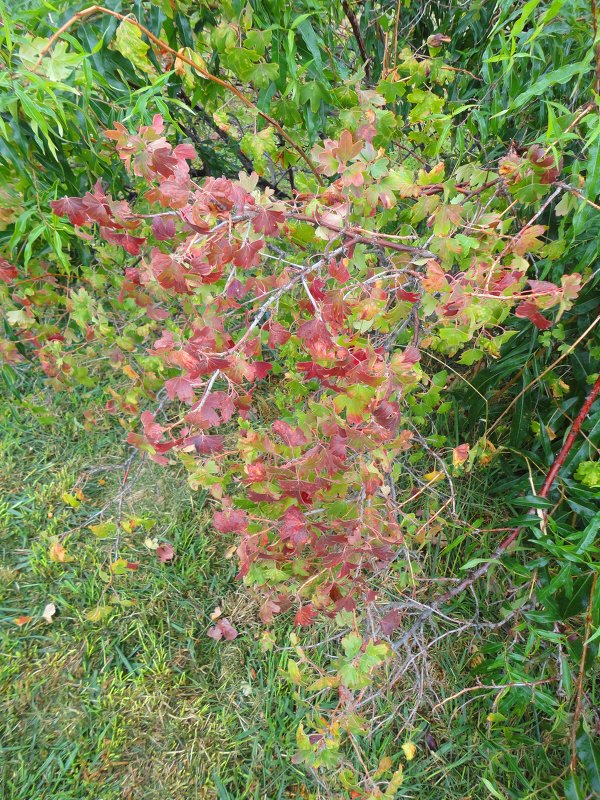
(395, 295)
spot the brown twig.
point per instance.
(358, 36)
(87, 12)
(364, 237)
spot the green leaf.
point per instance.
(552, 78)
(103, 530)
(61, 63)
(310, 38)
(263, 74)
(128, 41)
(469, 357)
(354, 400)
(374, 655)
(293, 671)
(352, 677)
(588, 473)
(594, 636)
(589, 755)
(314, 93)
(302, 739)
(352, 644)
(588, 537)
(573, 788)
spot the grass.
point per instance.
(123, 695)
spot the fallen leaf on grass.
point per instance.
(409, 749)
(223, 630)
(58, 553)
(165, 552)
(20, 621)
(99, 613)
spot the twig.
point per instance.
(87, 12)
(579, 195)
(482, 569)
(489, 687)
(358, 36)
(121, 497)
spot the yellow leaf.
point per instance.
(129, 42)
(434, 477)
(58, 553)
(97, 614)
(409, 749)
(385, 765)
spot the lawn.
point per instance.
(122, 694)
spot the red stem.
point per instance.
(559, 460)
(546, 486)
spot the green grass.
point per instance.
(123, 695)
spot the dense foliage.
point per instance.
(338, 262)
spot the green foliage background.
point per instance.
(511, 74)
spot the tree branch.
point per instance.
(88, 12)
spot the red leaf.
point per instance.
(163, 228)
(131, 244)
(168, 272)
(268, 610)
(71, 207)
(181, 388)
(460, 454)
(261, 369)
(277, 334)
(205, 443)
(408, 297)
(317, 339)
(7, 272)
(387, 415)
(165, 552)
(216, 409)
(152, 430)
(339, 270)
(267, 221)
(230, 521)
(184, 151)
(20, 621)
(529, 311)
(390, 622)
(223, 630)
(159, 314)
(293, 437)
(305, 616)
(249, 254)
(294, 527)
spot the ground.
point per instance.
(123, 695)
